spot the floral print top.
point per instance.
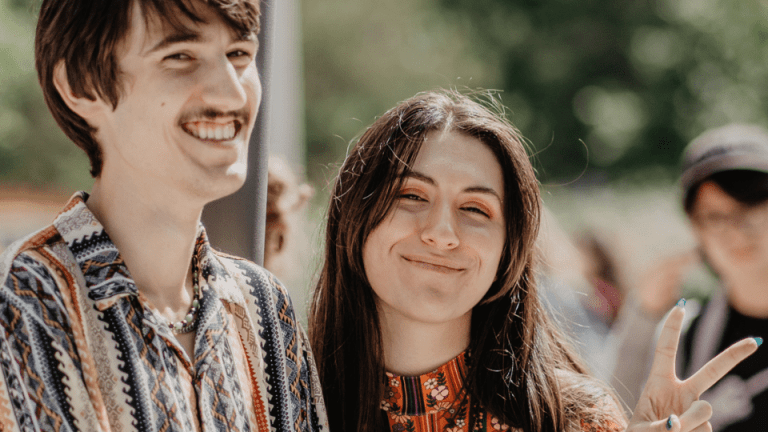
(433, 402)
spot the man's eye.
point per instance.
(238, 53)
(178, 56)
(241, 55)
(716, 218)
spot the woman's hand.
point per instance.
(669, 404)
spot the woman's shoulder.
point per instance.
(590, 404)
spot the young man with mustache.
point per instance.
(120, 316)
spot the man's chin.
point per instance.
(238, 170)
(224, 183)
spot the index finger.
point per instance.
(716, 368)
(666, 347)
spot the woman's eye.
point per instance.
(411, 197)
(477, 210)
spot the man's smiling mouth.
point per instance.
(212, 131)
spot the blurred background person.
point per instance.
(603, 271)
(725, 195)
(579, 284)
(284, 233)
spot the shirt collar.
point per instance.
(429, 393)
(107, 278)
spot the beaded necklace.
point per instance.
(187, 324)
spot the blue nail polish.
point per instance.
(681, 303)
(759, 340)
(669, 420)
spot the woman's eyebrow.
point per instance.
(419, 176)
(484, 190)
(472, 189)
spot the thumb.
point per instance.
(671, 423)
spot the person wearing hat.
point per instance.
(725, 195)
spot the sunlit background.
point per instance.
(607, 91)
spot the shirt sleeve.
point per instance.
(313, 396)
(311, 407)
(16, 410)
(35, 345)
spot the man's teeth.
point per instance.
(212, 131)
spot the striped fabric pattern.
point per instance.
(82, 350)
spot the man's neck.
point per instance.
(155, 233)
(413, 348)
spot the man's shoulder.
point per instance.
(30, 277)
(253, 277)
(31, 254)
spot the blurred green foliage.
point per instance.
(362, 57)
(33, 150)
(613, 87)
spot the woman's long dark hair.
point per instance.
(516, 355)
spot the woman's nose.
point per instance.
(439, 230)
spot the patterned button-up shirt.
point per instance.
(81, 349)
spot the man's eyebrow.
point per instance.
(174, 38)
(472, 189)
(193, 36)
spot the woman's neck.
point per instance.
(413, 347)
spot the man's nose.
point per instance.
(223, 88)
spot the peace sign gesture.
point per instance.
(669, 404)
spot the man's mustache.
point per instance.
(242, 115)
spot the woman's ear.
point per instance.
(83, 105)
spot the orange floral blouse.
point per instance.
(432, 402)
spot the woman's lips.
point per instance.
(434, 264)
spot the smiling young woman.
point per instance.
(426, 315)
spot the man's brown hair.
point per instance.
(85, 35)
